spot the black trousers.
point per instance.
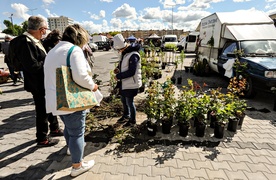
(42, 118)
(12, 74)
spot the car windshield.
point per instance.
(259, 47)
(170, 39)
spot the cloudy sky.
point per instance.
(117, 15)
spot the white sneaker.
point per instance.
(84, 167)
(68, 151)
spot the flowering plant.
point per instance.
(200, 102)
(237, 85)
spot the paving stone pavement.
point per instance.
(248, 154)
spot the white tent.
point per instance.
(154, 36)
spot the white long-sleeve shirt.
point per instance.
(81, 72)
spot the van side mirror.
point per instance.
(232, 55)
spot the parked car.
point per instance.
(93, 46)
(250, 38)
(181, 45)
(103, 45)
(168, 39)
(191, 41)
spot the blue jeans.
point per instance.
(74, 134)
(129, 108)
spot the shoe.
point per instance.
(21, 80)
(58, 132)
(123, 119)
(47, 143)
(129, 124)
(68, 153)
(85, 166)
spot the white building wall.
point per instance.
(59, 23)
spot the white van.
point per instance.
(191, 40)
(169, 39)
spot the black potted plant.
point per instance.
(173, 80)
(180, 60)
(222, 111)
(240, 107)
(235, 89)
(168, 103)
(184, 110)
(163, 59)
(233, 123)
(200, 104)
(157, 74)
(215, 99)
(152, 108)
(201, 107)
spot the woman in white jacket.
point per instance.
(81, 72)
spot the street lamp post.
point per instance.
(12, 23)
(172, 19)
(172, 5)
(33, 10)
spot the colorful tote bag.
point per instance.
(70, 95)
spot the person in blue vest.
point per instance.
(128, 74)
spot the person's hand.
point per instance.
(116, 71)
(95, 88)
(115, 78)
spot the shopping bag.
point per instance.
(99, 97)
(70, 95)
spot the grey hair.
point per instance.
(35, 22)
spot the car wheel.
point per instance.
(249, 91)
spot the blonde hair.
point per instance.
(76, 35)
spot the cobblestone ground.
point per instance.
(248, 154)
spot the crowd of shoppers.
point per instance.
(40, 59)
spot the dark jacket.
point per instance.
(48, 45)
(5, 48)
(32, 59)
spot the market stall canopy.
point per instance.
(2, 36)
(154, 39)
(131, 38)
(154, 36)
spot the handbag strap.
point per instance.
(68, 56)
